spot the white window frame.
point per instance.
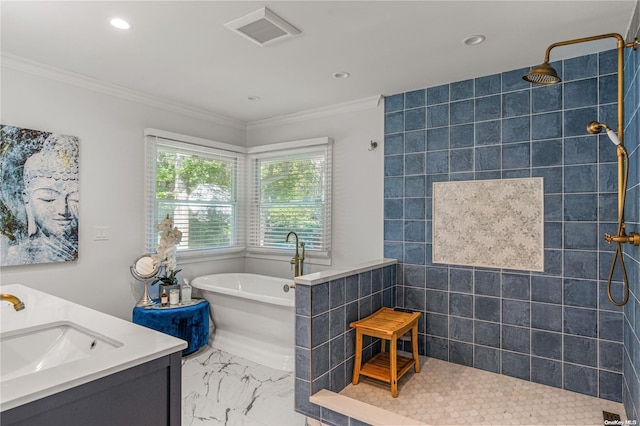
(155, 138)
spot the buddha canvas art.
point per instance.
(39, 197)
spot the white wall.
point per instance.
(110, 129)
(357, 221)
(111, 185)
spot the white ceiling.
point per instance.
(181, 52)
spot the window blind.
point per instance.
(290, 190)
(201, 188)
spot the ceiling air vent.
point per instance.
(262, 27)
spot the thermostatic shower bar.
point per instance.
(545, 74)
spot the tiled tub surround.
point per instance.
(555, 327)
(631, 326)
(326, 303)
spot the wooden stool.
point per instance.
(386, 324)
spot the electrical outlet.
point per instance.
(100, 233)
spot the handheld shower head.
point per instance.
(594, 128)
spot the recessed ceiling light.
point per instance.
(341, 75)
(473, 40)
(254, 98)
(119, 23)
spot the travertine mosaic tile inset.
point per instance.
(444, 393)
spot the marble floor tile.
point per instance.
(223, 389)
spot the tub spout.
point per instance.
(17, 303)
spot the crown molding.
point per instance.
(314, 114)
(36, 68)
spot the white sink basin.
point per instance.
(30, 350)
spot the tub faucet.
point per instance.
(297, 260)
(17, 303)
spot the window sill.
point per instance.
(314, 258)
(196, 256)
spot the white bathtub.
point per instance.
(253, 317)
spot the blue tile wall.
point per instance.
(556, 327)
(631, 320)
(325, 344)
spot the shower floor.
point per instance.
(444, 393)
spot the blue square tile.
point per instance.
(414, 99)
(461, 90)
(394, 103)
(608, 89)
(553, 262)
(546, 126)
(351, 312)
(488, 158)
(414, 208)
(552, 179)
(516, 286)
(546, 344)
(394, 230)
(461, 353)
(438, 94)
(414, 186)
(580, 322)
(581, 93)
(462, 136)
(393, 250)
(320, 361)
(516, 174)
(303, 331)
(414, 119)
(486, 334)
(512, 80)
(461, 329)
(580, 379)
(393, 187)
(303, 300)
(581, 293)
(336, 351)
(364, 284)
(487, 308)
(488, 108)
(319, 330)
(461, 305)
(516, 339)
(487, 359)
(581, 178)
(610, 325)
(364, 307)
(580, 264)
(414, 298)
(336, 293)
(546, 153)
(394, 144)
(546, 289)
(462, 112)
(610, 386)
(610, 355)
(553, 235)
(437, 278)
(546, 98)
(546, 316)
(394, 165)
(581, 150)
(437, 301)
(438, 348)
(437, 116)
(516, 365)
(437, 162)
(461, 160)
(487, 283)
(414, 253)
(608, 61)
(414, 141)
(414, 230)
(516, 129)
(546, 372)
(515, 312)
(351, 288)
(438, 138)
(437, 324)
(303, 361)
(608, 177)
(337, 322)
(580, 350)
(575, 119)
(414, 164)
(487, 133)
(393, 208)
(301, 400)
(319, 298)
(516, 156)
(608, 207)
(461, 280)
(553, 207)
(580, 67)
(516, 104)
(581, 207)
(488, 85)
(394, 122)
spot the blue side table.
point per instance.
(190, 323)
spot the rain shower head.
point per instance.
(594, 128)
(542, 74)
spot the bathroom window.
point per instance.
(200, 188)
(291, 191)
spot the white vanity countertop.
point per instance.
(136, 345)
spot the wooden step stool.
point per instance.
(386, 324)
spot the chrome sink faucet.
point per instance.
(297, 260)
(17, 303)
